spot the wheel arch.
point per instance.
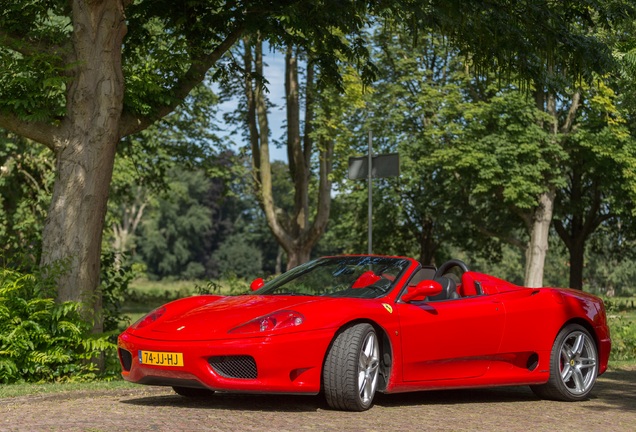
(587, 326)
(386, 350)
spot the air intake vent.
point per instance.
(126, 359)
(241, 367)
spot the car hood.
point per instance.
(213, 320)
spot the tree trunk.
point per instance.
(85, 154)
(298, 255)
(580, 222)
(428, 246)
(125, 228)
(577, 261)
(538, 244)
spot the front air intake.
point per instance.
(239, 367)
(125, 357)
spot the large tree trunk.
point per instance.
(85, 154)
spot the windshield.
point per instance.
(359, 276)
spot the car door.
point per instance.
(450, 339)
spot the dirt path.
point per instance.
(612, 408)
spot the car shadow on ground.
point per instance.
(614, 390)
(232, 401)
(298, 403)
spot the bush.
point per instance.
(41, 340)
(622, 329)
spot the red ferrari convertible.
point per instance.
(351, 326)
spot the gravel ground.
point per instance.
(612, 408)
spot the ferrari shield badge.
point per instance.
(388, 307)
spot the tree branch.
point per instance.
(574, 107)
(563, 233)
(132, 123)
(29, 48)
(509, 240)
(324, 194)
(37, 131)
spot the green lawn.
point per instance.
(15, 390)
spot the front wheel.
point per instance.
(350, 375)
(573, 366)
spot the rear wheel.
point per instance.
(192, 392)
(350, 375)
(573, 366)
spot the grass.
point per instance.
(146, 295)
(25, 389)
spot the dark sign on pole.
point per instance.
(385, 165)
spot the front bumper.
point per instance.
(284, 363)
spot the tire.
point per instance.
(351, 371)
(192, 392)
(573, 366)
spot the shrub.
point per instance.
(622, 330)
(41, 340)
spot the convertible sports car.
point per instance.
(350, 326)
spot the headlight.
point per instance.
(276, 321)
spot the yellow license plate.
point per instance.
(158, 358)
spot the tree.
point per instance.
(176, 227)
(294, 232)
(187, 139)
(313, 114)
(68, 81)
(414, 105)
(599, 173)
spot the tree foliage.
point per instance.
(26, 179)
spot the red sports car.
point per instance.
(349, 326)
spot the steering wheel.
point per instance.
(443, 269)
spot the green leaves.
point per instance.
(39, 339)
(505, 151)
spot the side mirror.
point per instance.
(365, 279)
(257, 283)
(419, 292)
